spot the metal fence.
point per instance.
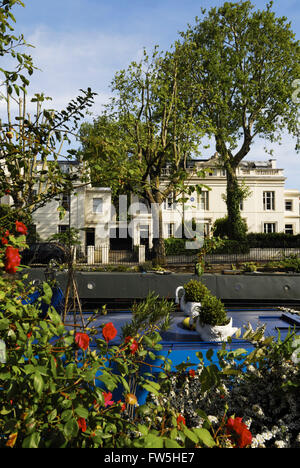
(254, 255)
(103, 255)
(94, 255)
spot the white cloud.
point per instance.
(73, 60)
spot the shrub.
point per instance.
(212, 311)
(221, 228)
(195, 291)
(262, 388)
(273, 240)
(233, 247)
(174, 246)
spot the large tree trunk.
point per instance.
(235, 227)
(159, 251)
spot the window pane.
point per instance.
(288, 205)
(203, 201)
(269, 227)
(269, 200)
(289, 229)
(97, 205)
(170, 229)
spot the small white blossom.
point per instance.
(213, 419)
(280, 444)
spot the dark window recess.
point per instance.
(90, 236)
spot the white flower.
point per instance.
(280, 444)
(258, 410)
(213, 419)
(295, 357)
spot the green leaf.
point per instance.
(205, 437)
(32, 441)
(169, 443)
(153, 441)
(82, 412)
(188, 433)
(4, 324)
(52, 415)
(38, 383)
(71, 428)
(209, 354)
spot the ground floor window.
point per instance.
(269, 227)
(170, 229)
(289, 229)
(63, 228)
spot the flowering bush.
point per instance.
(57, 391)
(251, 400)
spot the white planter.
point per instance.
(192, 309)
(189, 308)
(215, 332)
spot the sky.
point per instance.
(83, 43)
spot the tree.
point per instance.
(245, 63)
(147, 127)
(31, 150)
(31, 145)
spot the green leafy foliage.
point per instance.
(195, 291)
(212, 311)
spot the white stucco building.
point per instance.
(269, 207)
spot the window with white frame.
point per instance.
(289, 229)
(269, 228)
(269, 201)
(288, 205)
(170, 229)
(97, 205)
(65, 201)
(169, 202)
(203, 200)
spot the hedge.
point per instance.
(176, 246)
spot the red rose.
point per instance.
(21, 228)
(133, 344)
(238, 432)
(107, 399)
(192, 373)
(180, 419)
(4, 241)
(6, 234)
(82, 340)
(109, 332)
(81, 424)
(12, 259)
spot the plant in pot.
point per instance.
(213, 324)
(193, 293)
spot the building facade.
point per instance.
(268, 207)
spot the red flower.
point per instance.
(180, 419)
(7, 191)
(107, 399)
(133, 344)
(81, 424)
(82, 340)
(21, 228)
(192, 373)
(109, 332)
(12, 259)
(6, 234)
(238, 432)
(4, 241)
